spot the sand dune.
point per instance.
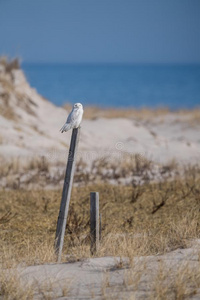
(32, 129)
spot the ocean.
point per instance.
(153, 86)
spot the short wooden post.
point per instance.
(94, 222)
(100, 226)
(66, 194)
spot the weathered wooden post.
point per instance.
(94, 222)
(66, 194)
(100, 226)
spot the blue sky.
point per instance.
(97, 31)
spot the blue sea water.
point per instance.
(173, 86)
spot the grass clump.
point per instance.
(11, 286)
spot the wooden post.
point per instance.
(66, 194)
(94, 221)
(100, 226)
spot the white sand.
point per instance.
(102, 278)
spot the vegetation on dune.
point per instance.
(41, 172)
(142, 114)
(7, 86)
(10, 96)
(136, 220)
(8, 64)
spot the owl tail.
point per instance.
(65, 127)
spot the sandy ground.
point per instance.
(112, 277)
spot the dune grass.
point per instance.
(150, 219)
(192, 116)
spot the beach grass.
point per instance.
(147, 219)
(141, 114)
(137, 221)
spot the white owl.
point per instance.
(74, 119)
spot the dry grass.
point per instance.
(178, 284)
(10, 97)
(5, 108)
(12, 287)
(141, 114)
(154, 281)
(8, 64)
(94, 112)
(17, 173)
(147, 219)
(38, 172)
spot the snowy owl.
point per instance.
(74, 119)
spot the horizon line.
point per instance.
(107, 63)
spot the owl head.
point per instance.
(78, 106)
